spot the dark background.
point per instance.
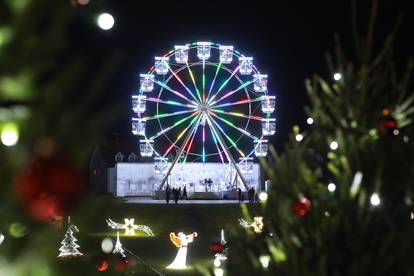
(288, 40)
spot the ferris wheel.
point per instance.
(203, 102)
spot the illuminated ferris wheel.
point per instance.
(203, 102)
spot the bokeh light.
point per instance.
(9, 134)
(106, 21)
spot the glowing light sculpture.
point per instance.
(246, 65)
(146, 82)
(181, 53)
(69, 248)
(257, 224)
(226, 54)
(260, 82)
(181, 241)
(146, 148)
(209, 99)
(261, 148)
(161, 65)
(268, 126)
(129, 226)
(118, 246)
(203, 50)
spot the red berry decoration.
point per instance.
(102, 265)
(48, 188)
(301, 206)
(217, 248)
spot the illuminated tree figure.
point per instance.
(181, 241)
(118, 246)
(69, 247)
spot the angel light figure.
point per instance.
(181, 241)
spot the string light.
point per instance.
(331, 187)
(1, 238)
(105, 21)
(337, 76)
(375, 199)
(333, 145)
(309, 121)
(299, 137)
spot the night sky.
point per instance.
(287, 39)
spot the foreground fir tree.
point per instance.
(341, 198)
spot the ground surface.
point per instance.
(205, 219)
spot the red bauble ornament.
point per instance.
(217, 248)
(388, 124)
(102, 265)
(301, 206)
(121, 265)
(48, 188)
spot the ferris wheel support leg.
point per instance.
(220, 138)
(187, 138)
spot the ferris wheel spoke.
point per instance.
(246, 101)
(190, 143)
(163, 85)
(176, 124)
(227, 137)
(165, 115)
(193, 80)
(215, 139)
(181, 135)
(204, 143)
(225, 83)
(235, 127)
(182, 83)
(156, 100)
(231, 92)
(214, 80)
(239, 115)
